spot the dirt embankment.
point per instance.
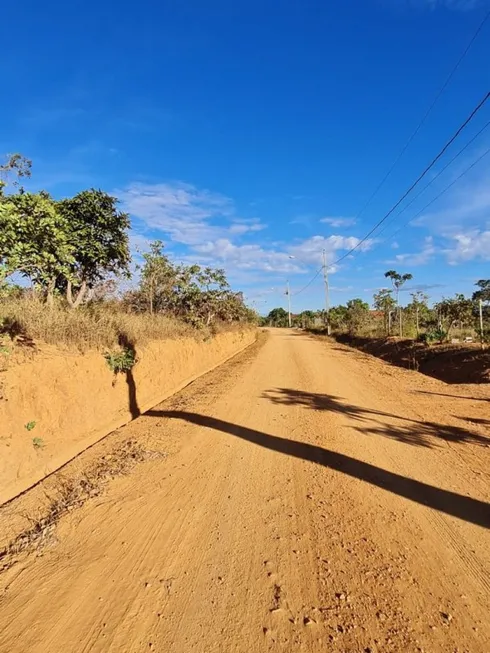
(448, 363)
(58, 404)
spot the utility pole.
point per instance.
(288, 293)
(327, 295)
(480, 305)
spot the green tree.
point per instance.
(419, 309)
(483, 292)
(398, 280)
(357, 315)
(15, 165)
(34, 240)
(338, 317)
(98, 234)
(306, 319)
(453, 310)
(157, 282)
(278, 317)
(383, 301)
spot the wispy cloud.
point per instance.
(311, 249)
(339, 222)
(468, 246)
(247, 257)
(418, 258)
(208, 229)
(185, 213)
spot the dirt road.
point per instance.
(312, 499)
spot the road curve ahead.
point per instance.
(313, 499)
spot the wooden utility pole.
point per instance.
(327, 293)
(288, 293)
(480, 305)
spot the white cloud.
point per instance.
(185, 213)
(469, 245)
(310, 250)
(179, 210)
(465, 207)
(208, 227)
(252, 257)
(339, 222)
(418, 258)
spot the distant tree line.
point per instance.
(437, 323)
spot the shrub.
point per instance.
(120, 361)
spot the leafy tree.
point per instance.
(398, 281)
(34, 240)
(383, 301)
(278, 317)
(419, 309)
(453, 310)
(357, 315)
(484, 291)
(16, 165)
(338, 317)
(306, 319)
(98, 234)
(158, 281)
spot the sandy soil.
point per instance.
(312, 498)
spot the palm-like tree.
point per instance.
(397, 281)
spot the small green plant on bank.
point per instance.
(37, 443)
(435, 335)
(120, 361)
(30, 425)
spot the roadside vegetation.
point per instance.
(67, 276)
(453, 318)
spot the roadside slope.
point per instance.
(314, 499)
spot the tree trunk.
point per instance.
(50, 292)
(75, 303)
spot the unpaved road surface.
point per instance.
(312, 499)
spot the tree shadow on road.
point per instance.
(465, 508)
(377, 422)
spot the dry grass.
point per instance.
(91, 327)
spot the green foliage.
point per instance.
(452, 311)
(120, 361)
(278, 317)
(30, 426)
(34, 239)
(484, 291)
(200, 296)
(97, 232)
(398, 279)
(434, 335)
(37, 443)
(357, 315)
(15, 165)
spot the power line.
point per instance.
(308, 284)
(415, 183)
(444, 190)
(419, 178)
(408, 143)
(426, 115)
(441, 171)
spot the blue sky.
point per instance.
(242, 133)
